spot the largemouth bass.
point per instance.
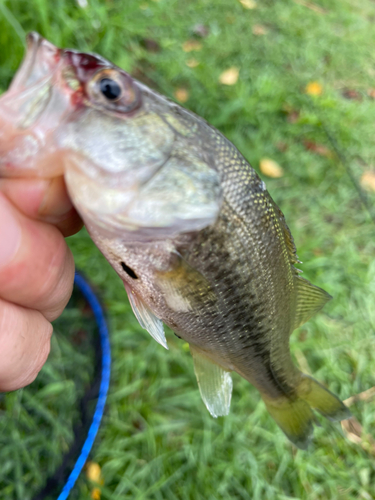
(181, 216)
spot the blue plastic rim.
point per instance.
(97, 309)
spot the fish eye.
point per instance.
(113, 90)
(110, 88)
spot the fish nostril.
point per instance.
(129, 271)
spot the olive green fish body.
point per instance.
(181, 216)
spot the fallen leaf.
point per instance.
(352, 429)
(248, 4)
(192, 63)
(200, 30)
(259, 30)
(293, 117)
(270, 168)
(371, 93)
(282, 146)
(352, 94)
(317, 252)
(229, 76)
(96, 494)
(93, 472)
(368, 180)
(314, 88)
(292, 114)
(191, 45)
(150, 45)
(362, 396)
(181, 94)
(311, 6)
(319, 149)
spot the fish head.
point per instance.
(124, 149)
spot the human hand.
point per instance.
(36, 272)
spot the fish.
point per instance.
(183, 219)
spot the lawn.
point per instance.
(157, 440)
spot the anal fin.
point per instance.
(147, 318)
(215, 383)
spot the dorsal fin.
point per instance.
(215, 383)
(310, 299)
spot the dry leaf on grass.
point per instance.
(314, 88)
(181, 94)
(368, 180)
(229, 76)
(94, 472)
(259, 30)
(353, 429)
(192, 63)
(248, 4)
(371, 93)
(191, 45)
(270, 168)
(311, 6)
(352, 94)
(362, 396)
(292, 114)
(282, 146)
(150, 45)
(317, 148)
(96, 494)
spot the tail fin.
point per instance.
(295, 416)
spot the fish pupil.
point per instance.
(110, 89)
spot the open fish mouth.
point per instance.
(24, 125)
(30, 90)
(40, 61)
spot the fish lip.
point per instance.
(37, 49)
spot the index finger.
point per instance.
(43, 199)
(36, 266)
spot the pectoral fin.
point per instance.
(310, 299)
(215, 383)
(147, 318)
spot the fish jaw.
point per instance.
(30, 112)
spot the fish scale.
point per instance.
(182, 218)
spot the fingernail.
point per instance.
(10, 233)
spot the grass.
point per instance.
(157, 440)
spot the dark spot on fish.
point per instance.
(129, 271)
